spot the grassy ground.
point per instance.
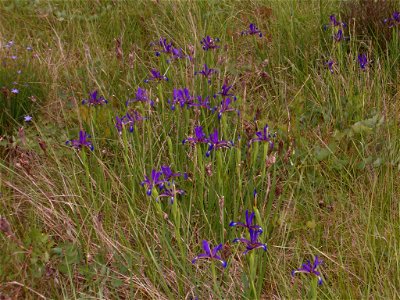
(78, 224)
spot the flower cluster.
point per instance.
(163, 182)
(213, 140)
(181, 97)
(251, 244)
(254, 232)
(337, 27)
(94, 99)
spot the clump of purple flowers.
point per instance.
(253, 30)
(311, 269)
(362, 61)
(163, 181)
(394, 20)
(263, 136)
(254, 231)
(337, 27)
(81, 142)
(128, 120)
(210, 254)
(206, 72)
(213, 140)
(156, 76)
(94, 99)
(141, 96)
(209, 43)
(181, 97)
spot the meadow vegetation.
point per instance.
(103, 217)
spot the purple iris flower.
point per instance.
(253, 242)
(209, 43)
(81, 142)
(168, 173)
(210, 254)
(334, 22)
(214, 143)
(225, 107)
(309, 268)
(252, 30)
(338, 36)
(15, 91)
(394, 20)
(9, 44)
(363, 61)
(249, 222)
(27, 118)
(201, 102)
(330, 64)
(168, 48)
(263, 136)
(164, 46)
(128, 120)
(94, 99)
(141, 96)
(225, 91)
(206, 72)
(199, 137)
(182, 97)
(152, 181)
(156, 76)
(170, 193)
(177, 53)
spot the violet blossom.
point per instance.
(94, 100)
(253, 30)
(210, 254)
(81, 142)
(309, 268)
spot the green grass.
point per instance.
(82, 226)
